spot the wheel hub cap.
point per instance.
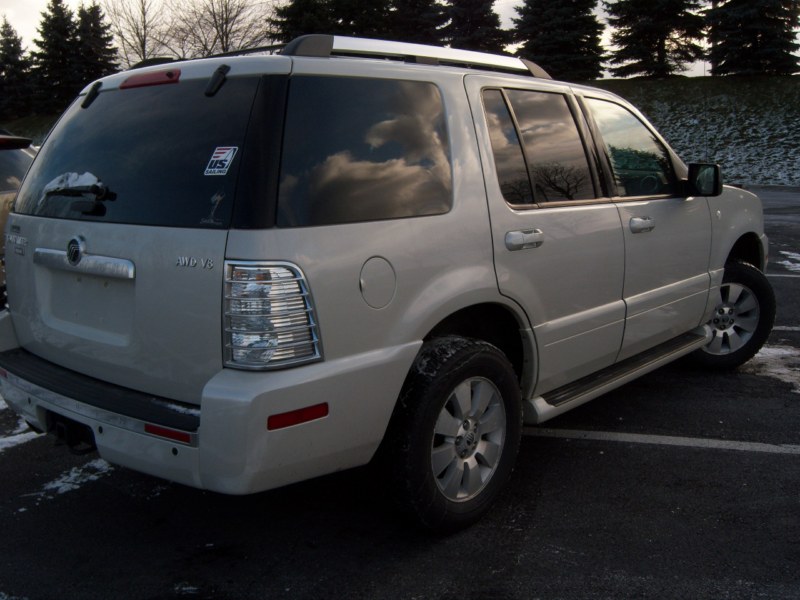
(735, 319)
(468, 439)
(725, 318)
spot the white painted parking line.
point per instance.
(785, 328)
(662, 440)
(786, 275)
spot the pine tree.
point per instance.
(562, 36)
(14, 74)
(654, 38)
(361, 18)
(474, 25)
(754, 37)
(417, 21)
(97, 54)
(56, 77)
(301, 17)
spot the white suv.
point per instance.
(245, 271)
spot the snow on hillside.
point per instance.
(751, 126)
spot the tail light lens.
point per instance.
(268, 316)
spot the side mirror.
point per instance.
(704, 180)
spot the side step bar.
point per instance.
(545, 407)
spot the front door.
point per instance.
(667, 236)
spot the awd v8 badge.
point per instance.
(221, 160)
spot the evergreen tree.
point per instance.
(562, 36)
(655, 38)
(361, 18)
(417, 21)
(754, 37)
(474, 25)
(14, 74)
(301, 17)
(56, 77)
(97, 54)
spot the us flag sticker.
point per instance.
(221, 160)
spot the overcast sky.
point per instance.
(26, 15)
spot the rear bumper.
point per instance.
(224, 445)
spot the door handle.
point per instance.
(524, 239)
(642, 224)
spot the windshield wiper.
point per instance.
(91, 191)
(100, 192)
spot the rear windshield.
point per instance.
(163, 155)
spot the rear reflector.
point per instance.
(295, 417)
(170, 434)
(152, 78)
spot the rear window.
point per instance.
(361, 150)
(159, 155)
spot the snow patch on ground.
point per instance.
(7, 597)
(21, 435)
(778, 362)
(792, 263)
(75, 478)
(183, 589)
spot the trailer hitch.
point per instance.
(77, 437)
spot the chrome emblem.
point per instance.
(76, 248)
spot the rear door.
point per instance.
(558, 242)
(117, 243)
(667, 235)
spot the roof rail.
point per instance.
(323, 46)
(271, 49)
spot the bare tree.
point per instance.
(205, 27)
(138, 26)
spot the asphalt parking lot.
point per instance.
(682, 484)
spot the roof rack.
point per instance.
(271, 49)
(323, 46)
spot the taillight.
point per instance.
(268, 316)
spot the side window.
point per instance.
(553, 147)
(508, 158)
(641, 163)
(358, 149)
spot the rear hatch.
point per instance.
(116, 246)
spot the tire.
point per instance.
(742, 320)
(455, 433)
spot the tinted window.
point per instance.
(641, 163)
(553, 147)
(508, 158)
(166, 154)
(363, 149)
